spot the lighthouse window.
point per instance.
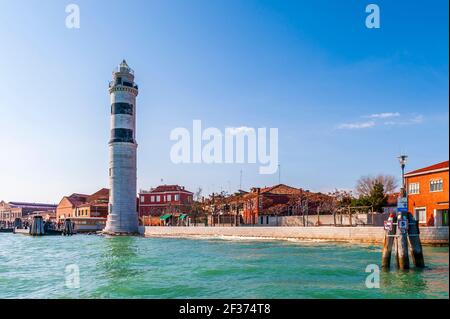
(122, 135)
(122, 108)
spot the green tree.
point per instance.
(375, 198)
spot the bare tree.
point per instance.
(198, 194)
(365, 185)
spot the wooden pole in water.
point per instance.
(37, 226)
(402, 241)
(390, 230)
(68, 227)
(414, 241)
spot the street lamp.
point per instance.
(402, 160)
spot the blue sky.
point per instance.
(309, 68)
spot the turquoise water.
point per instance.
(136, 267)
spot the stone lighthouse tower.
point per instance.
(122, 211)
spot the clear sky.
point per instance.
(309, 68)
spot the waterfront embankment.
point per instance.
(428, 235)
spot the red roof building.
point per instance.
(82, 205)
(428, 194)
(165, 199)
(275, 200)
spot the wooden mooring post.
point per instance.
(414, 241)
(68, 228)
(388, 242)
(402, 240)
(37, 226)
(402, 237)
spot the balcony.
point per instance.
(127, 84)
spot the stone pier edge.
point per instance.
(434, 236)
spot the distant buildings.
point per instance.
(428, 194)
(259, 201)
(280, 200)
(68, 205)
(86, 206)
(165, 201)
(12, 210)
(261, 206)
(88, 212)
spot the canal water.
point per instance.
(136, 267)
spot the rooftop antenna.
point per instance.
(279, 174)
(240, 180)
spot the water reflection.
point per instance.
(119, 258)
(397, 282)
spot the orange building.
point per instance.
(68, 204)
(86, 206)
(428, 194)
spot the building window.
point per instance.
(413, 188)
(158, 198)
(169, 198)
(177, 197)
(421, 215)
(142, 199)
(436, 185)
(152, 199)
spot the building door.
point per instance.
(445, 217)
(441, 217)
(420, 214)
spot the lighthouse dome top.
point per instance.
(124, 68)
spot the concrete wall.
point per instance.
(324, 220)
(437, 235)
(430, 235)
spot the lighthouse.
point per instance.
(122, 211)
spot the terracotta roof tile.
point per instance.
(168, 188)
(429, 168)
